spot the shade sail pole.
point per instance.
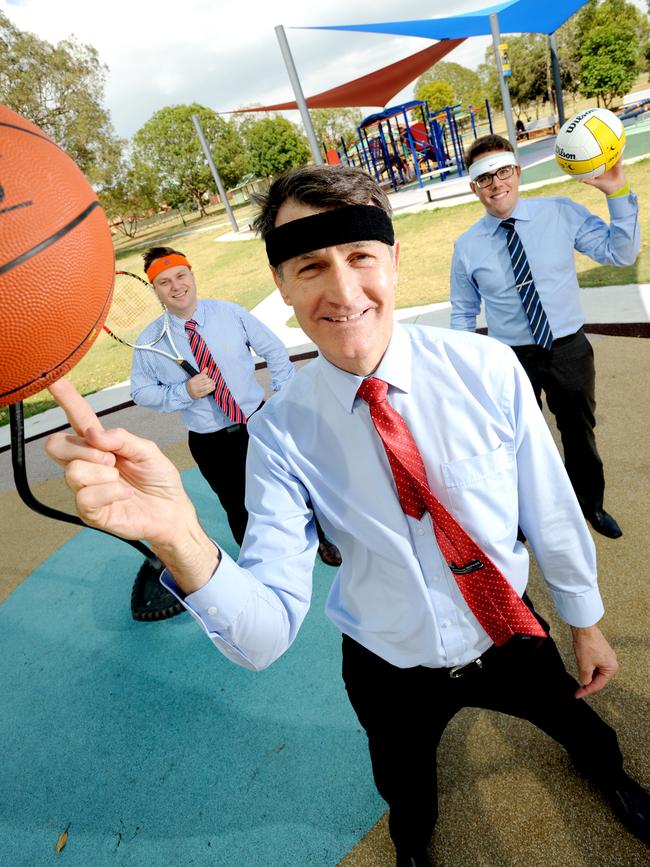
(557, 80)
(297, 90)
(503, 84)
(215, 173)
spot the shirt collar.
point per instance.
(521, 212)
(394, 368)
(178, 324)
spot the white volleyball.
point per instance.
(589, 143)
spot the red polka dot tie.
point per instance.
(206, 362)
(496, 606)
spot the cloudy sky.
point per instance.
(224, 53)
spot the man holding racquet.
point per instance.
(216, 337)
(412, 445)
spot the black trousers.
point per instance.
(405, 711)
(567, 377)
(221, 458)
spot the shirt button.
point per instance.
(212, 610)
(435, 577)
(420, 531)
(455, 660)
(446, 624)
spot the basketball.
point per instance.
(589, 143)
(56, 260)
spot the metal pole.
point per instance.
(557, 80)
(215, 173)
(297, 90)
(503, 84)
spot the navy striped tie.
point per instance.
(225, 401)
(541, 330)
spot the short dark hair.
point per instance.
(154, 253)
(323, 186)
(485, 145)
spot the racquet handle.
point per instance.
(187, 367)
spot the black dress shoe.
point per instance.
(419, 860)
(603, 523)
(631, 803)
(329, 553)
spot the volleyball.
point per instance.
(590, 143)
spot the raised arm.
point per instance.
(124, 484)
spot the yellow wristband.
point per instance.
(624, 191)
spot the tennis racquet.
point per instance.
(135, 305)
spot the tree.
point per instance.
(132, 194)
(437, 94)
(530, 79)
(465, 84)
(60, 89)
(610, 50)
(170, 149)
(333, 124)
(274, 145)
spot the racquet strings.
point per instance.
(134, 307)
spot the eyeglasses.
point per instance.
(487, 179)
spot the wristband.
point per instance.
(624, 191)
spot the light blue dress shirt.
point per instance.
(489, 458)
(230, 332)
(551, 229)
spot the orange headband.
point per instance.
(165, 262)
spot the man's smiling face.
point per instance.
(500, 197)
(343, 296)
(176, 289)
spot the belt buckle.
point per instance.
(461, 670)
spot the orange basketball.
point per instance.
(56, 260)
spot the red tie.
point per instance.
(225, 401)
(494, 603)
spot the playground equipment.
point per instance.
(397, 150)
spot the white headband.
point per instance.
(491, 163)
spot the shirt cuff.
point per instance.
(584, 609)
(622, 205)
(217, 605)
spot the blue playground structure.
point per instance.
(399, 150)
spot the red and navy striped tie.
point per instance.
(539, 325)
(225, 401)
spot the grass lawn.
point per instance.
(238, 271)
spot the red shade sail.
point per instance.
(375, 89)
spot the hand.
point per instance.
(125, 485)
(610, 181)
(597, 663)
(200, 386)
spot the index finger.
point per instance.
(77, 410)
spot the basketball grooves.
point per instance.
(63, 360)
(49, 241)
(30, 132)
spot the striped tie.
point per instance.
(541, 330)
(225, 401)
(495, 604)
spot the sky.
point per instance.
(224, 54)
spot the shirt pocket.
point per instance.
(482, 491)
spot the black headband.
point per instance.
(327, 229)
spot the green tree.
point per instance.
(132, 194)
(530, 79)
(333, 124)
(274, 145)
(465, 84)
(610, 50)
(60, 88)
(170, 149)
(437, 94)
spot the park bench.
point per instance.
(541, 124)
